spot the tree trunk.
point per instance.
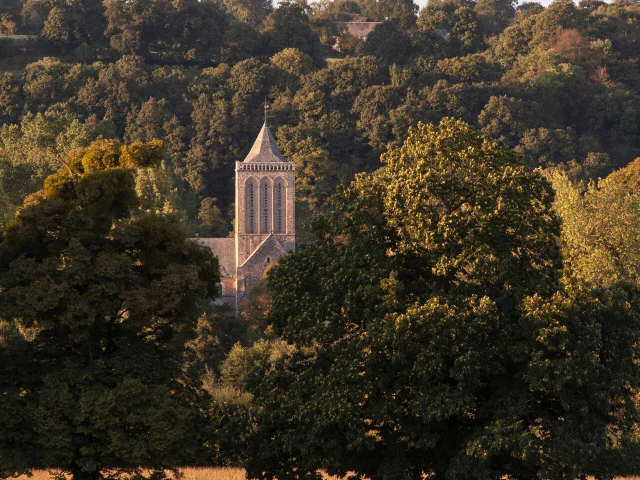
(78, 474)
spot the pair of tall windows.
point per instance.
(265, 207)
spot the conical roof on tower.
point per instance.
(264, 148)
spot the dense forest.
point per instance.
(558, 84)
(466, 303)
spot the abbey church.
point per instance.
(264, 221)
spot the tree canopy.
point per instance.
(434, 330)
(98, 299)
(600, 228)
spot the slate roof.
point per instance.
(264, 148)
(225, 250)
(269, 244)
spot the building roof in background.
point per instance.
(225, 250)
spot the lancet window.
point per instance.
(251, 191)
(280, 207)
(265, 206)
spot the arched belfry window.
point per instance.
(279, 207)
(251, 206)
(265, 206)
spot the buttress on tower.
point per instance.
(264, 221)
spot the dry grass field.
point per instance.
(187, 474)
(212, 474)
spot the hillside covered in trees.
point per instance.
(558, 84)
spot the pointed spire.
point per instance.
(264, 148)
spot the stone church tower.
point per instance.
(265, 219)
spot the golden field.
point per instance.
(186, 474)
(212, 474)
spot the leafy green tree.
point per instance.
(594, 166)
(212, 219)
(40, 145)
(148, 122)
(233, 410)
(70, 23)
(252, 12)
(557, 17)
(102, 298)
(388, 43)
(11, 98)
(551, 79)
(469, 69)
(118, 88)
(10, 8)
(10, 17)
(495, 15)
(459, 100)
(320, 140)
(373, 123)
(288, 66)
(600, 229)
(507, 118)
(455, 22)
(351, 46)
(618, 23)
(614, 115)
(526, 9)
(401, 12)
(186, 32)
(317, 175)
(7, 25)
(543, 147)
(515, 40)
(6, 209)
(628, 176)
(433, 333)
(288, 26)
(241, 42)
(44, 83)
(224, 124)
(327, 16)
(157, 193)
(33, 15)
(237, 367)
(253, 311)
(207, 351)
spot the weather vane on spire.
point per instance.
(266, 107)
